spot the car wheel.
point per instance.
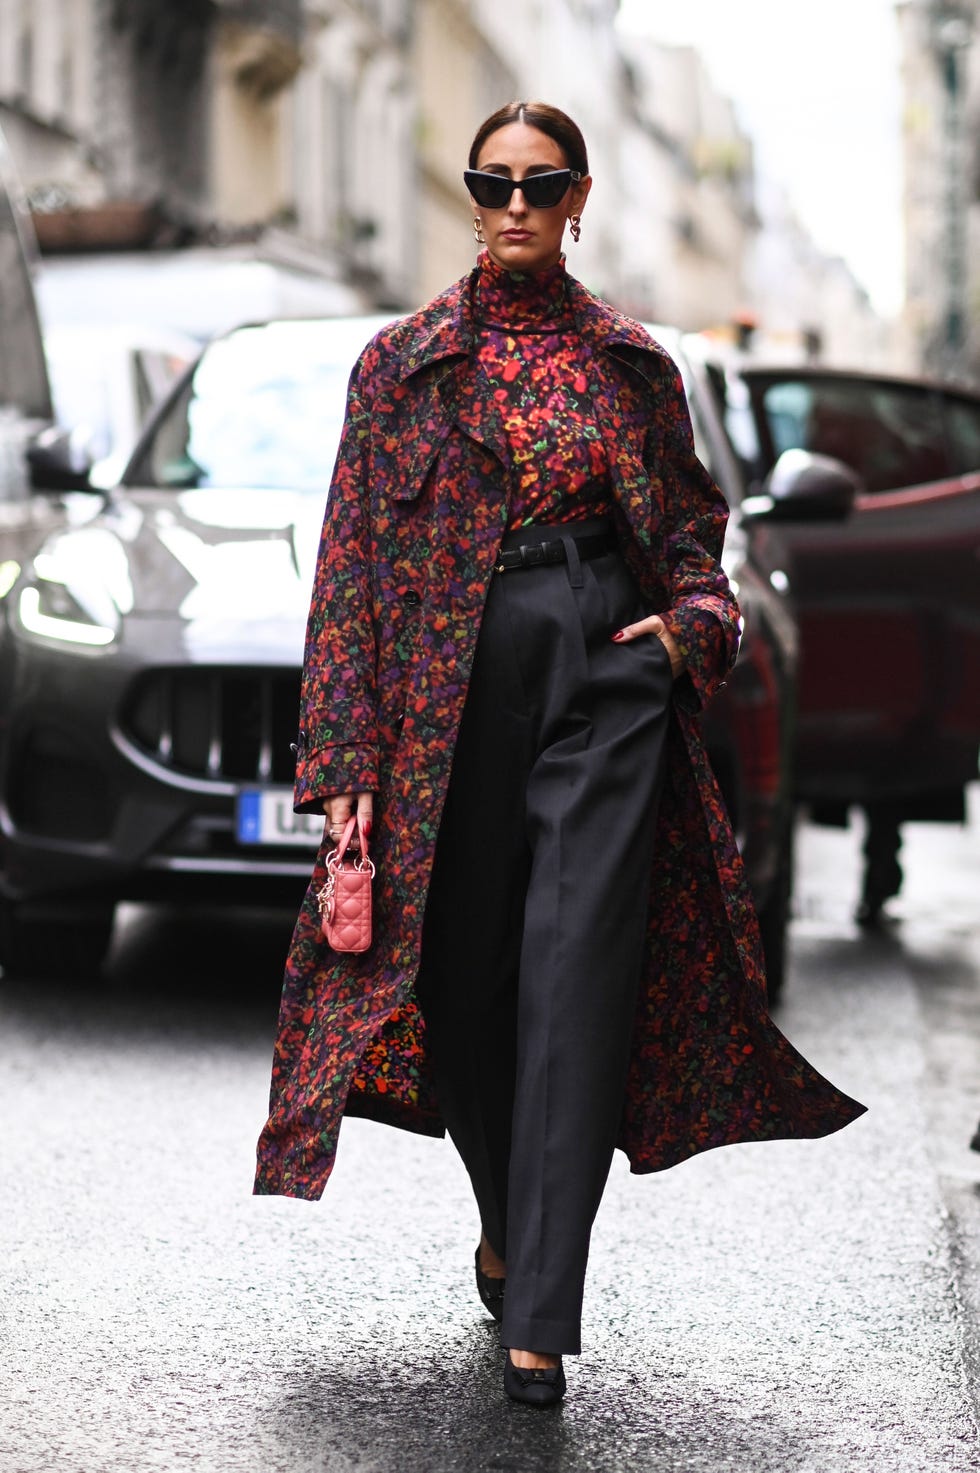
(46, 946)
(774, 917)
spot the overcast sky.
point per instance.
(817, 87)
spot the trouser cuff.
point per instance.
(547, 1337)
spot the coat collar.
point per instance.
(440, 337)
(445, 329)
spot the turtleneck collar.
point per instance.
(520, 300)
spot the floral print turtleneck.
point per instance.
(534, 363)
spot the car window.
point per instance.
(892, 435)
(963, 430)
(734, 403)
(263, 409)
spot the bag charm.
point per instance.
(345, 899)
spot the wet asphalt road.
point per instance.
(807, 1307)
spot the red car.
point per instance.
(886, 586)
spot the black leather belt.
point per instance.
(536, 554)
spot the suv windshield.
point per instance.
(263, 409)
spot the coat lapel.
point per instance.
(436, 388)
(623, 397)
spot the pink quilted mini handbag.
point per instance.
(345, 899)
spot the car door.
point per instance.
(888, 597)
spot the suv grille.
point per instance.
(227, 725)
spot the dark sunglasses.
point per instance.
(540, 191)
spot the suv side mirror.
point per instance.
(56, 465)
(805, 487)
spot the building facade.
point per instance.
(460, 77)
(176, 112)
(351, 169)
(687, 213)
(941, 86)
(333, 134)
(48, 97)
(808, 304)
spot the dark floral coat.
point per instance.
(415, 515)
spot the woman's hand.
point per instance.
(339, 808)
(654, 625)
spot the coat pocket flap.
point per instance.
(414, 460)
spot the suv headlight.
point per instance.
(78, 590)
(9, 573)
(54, 611)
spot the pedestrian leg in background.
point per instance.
(882, 871)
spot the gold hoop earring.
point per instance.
(575, 226)
(478, 230)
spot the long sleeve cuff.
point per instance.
(702, 638)
(343, 767)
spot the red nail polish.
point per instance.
(367, 828)
(620, 634)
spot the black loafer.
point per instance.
(534, 1388)
(491, 1291)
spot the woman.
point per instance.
(518, 613)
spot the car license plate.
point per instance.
(265, 816)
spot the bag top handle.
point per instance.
(353, 822)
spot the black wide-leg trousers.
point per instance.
(537, 913)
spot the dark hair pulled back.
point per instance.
(550, 120)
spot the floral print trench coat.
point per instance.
(416, 511)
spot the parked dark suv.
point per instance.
(150, 649)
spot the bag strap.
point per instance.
(353, 822)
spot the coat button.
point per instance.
(412, 598)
